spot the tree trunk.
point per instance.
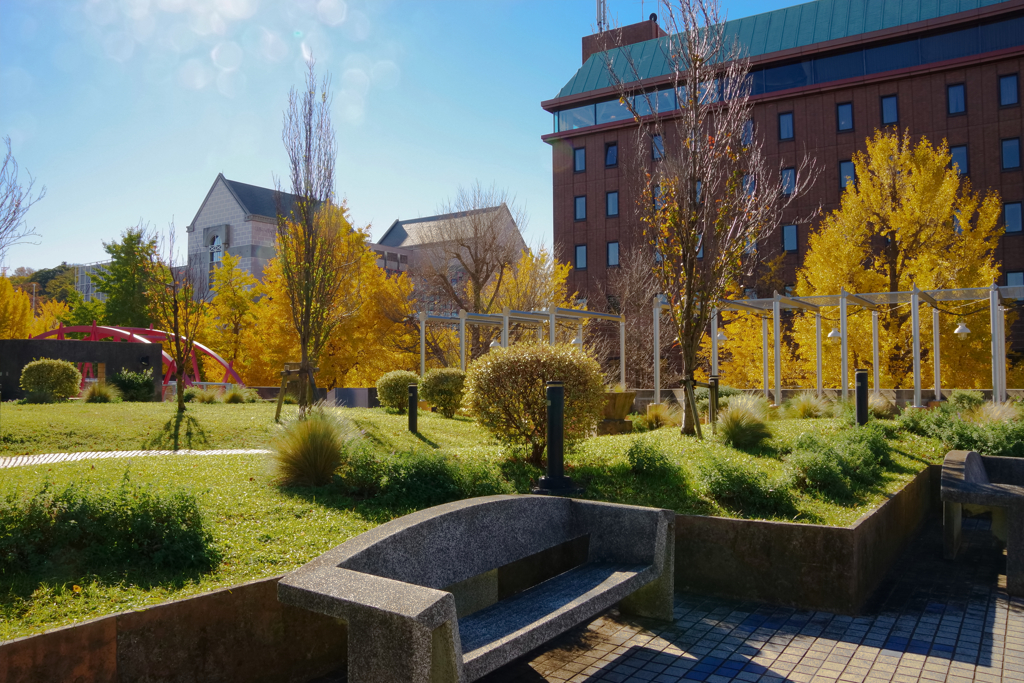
(689, 419)
(179, 375)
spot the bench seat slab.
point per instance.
(498, 634)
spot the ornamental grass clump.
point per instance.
(505, 392)
(393, 389)
(744, 423)
(880, 407)
(309, 451)
(101, 392)
(443, 388)
(48, 380)
(807, 405)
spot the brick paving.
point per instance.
(931, 621)
(49, 458)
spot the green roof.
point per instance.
(782, 29)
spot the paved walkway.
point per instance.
(931, 621)
(49, 458)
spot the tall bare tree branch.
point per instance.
(15, 201)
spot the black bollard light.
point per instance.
(713, 402)
(861, 385)
(414, 404)
(556, 483)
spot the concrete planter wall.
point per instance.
(808, 566)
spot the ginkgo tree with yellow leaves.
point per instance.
(15, 311)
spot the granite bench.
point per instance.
(980, 483)
(421, 593)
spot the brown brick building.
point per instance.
(826, 75)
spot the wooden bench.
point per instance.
(980, 483)
(421, 593)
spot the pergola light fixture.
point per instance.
(834, 334)
(495, 344)
(961, 330)
(721, 337)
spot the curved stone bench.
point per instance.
(982, 483)
(394, 584)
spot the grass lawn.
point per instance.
(262, 530)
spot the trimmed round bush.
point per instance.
(443, 388)
(57, 379)
(101, 392)
(505, 391)
(393, 389)
(309, 451)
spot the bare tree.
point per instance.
(177, 304)
(709, 195)
(467, 254)
(312, 246)
(15, 201)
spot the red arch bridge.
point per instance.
(144, 335)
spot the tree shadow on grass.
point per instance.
(181, 431)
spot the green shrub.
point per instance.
(132, 526)
(135, 386)
(645, 457)
(863, 452)
(845, 410)
(192, 394)
(819, 470)
(743, 423)
(964, 400)
(914, 421)
(702, 396)
(505, 391)
(806, 405)
(739, 487)
(238, 394)
(393, 389)
(443, 388)
(309, 451)
(49, 377)
(101, 392)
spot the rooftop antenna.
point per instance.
(602, 15)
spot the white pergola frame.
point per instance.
(549, 316)
(772, 308)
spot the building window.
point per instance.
(1012, 216)
(611, 204)
(750, 293)
(958, 158)
(1011, 154)
(657, 148)
(611, 154)
(1015, 279)
(847, 174)
(788, 181)
(216, 257)
(749, 184)
(748, 132)
(581, 257)
(955, 102)
(613, 253)
(1008, 90)
(579, 156)
(699, 186)
(700, 252)
(580, 213)
(890, 111)
(844, 116)
(789, 237)
(786, 126)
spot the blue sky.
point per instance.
(127, 110)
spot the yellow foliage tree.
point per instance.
(271, 341)
(50, 315)
(15, 311)
(231, 311)
(908, 219)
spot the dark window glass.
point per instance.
(1015, 279)
(844, 116)
(1011, 153)
(581, 257)
(613, 110)
(949, 45)
(579, 156)
(700, 252)
(656, 195)
(657, 147)
(612, 203)
(580, 212)
(788, 180)
(789, 76)
(1000, 35)
(789, 241)
(1008, 90)
(611, 154)
(890, 112)
(846, 173)
(1012, 216)
(613, 253)
(660, 101)
(889, 57)
(749, 184)
(748, 132)
(955, 99)
(580, 117)
(958, 157)
(699, 186)
(839, 67)
(786, 126)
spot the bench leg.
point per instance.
(654, 600)
(952, 520)
(390, 650)
(1015, 550)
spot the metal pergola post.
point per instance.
(916, 326)
(551, 326)
(657, 348)
(764, 352)
(843, 361)
(935, 353)
(622, 353)
(462, 340)
(1001, 348)
(504, 327)
(423, 342)
(817, 335)
(714, 343)
(777, 331)
(874, 351)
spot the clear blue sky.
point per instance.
(127, 110)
